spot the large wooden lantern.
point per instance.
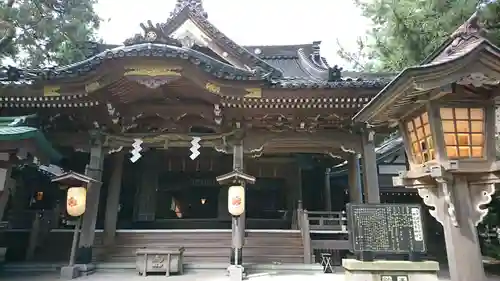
(445, 110)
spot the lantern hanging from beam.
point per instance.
(76, 200)
(236, 200)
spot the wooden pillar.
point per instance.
(222, 213)
(7, 185)
(327, 196)
(293, 192)
(370, 169)
(113, 199)
(145, 208)
(354, 178)
(465, 261)
(94, 170)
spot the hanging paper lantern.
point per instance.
(76, 200)
(236, 200)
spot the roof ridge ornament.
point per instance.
(195, 5)
(469, 29)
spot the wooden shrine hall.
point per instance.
(283, 111)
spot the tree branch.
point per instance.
(10, 33)
(349, 56)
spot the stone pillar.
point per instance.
(113, 199)
(354, 178)
(94, 170)
(328, 192)
(370, 169)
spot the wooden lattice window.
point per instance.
(422, 145)
(463, 130)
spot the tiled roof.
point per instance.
(15, 129)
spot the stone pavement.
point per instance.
(192, 276)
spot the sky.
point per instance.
(249, 22)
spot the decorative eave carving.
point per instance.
(434, 183)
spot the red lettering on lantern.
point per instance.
(236, 201)
(72, 202)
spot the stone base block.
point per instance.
(382, 270)
(235, 272)
(86, 269)
(70, 272)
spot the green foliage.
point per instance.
(47, 32)
(405, 32)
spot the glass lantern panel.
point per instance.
(446, 113)
(452, 152)
(417, 122)
(476, 114)
(429, 142)
(463, 126)
(476, 126)
(420, 133)
(477, 151)
(416, 147)
(427, 129)
(413, 137)
(448, 126)
(450, 139)
(409, 125)
(432, 154)
(462, 113)
(463, 139)
(425, 118)
(418, 158)
(423, 145)
(477, 139)
(464, 151)
(426, 156)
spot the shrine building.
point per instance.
(129, 116)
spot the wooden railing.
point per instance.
(328, 221)
(320, 222)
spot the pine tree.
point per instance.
(46, 32)
(405, 32)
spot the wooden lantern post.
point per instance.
(76, 201)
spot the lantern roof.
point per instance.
(465, 56)
(72, 178)
(234, 176)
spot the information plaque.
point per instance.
(386, 228)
